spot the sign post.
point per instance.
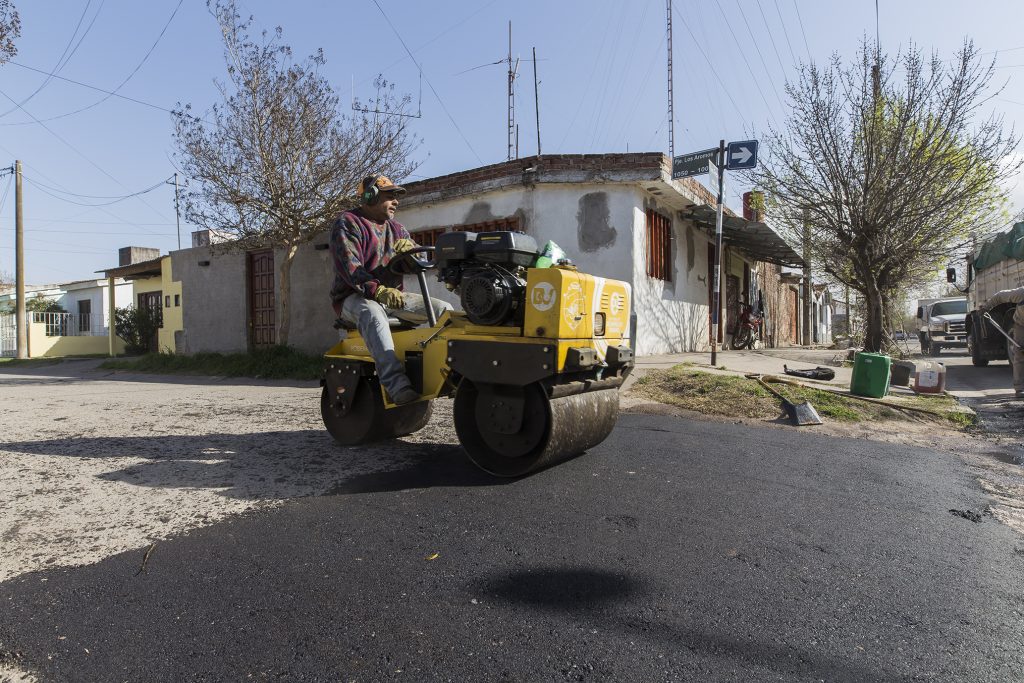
(686, 165)
(716, 299)
(735, 156)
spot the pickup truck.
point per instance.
(941, 324)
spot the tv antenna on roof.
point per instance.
(378, 110)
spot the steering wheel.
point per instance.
(409, 263)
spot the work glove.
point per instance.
(388, 297)
(403, 245)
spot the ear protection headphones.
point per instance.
(371, 193)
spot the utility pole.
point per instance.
(19, 265)
(177, 210)
(536, 98)
(808, 287)
(671, 115)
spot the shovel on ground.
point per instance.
(800, 414)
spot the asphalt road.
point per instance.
(989, 392)
(676, 550)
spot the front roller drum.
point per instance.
(511, 431)
(366, 419)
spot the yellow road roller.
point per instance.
(534, 360)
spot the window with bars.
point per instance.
(428, 238)
(659, 246)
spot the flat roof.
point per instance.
(136, 271)
(754, 238)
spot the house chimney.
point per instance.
(126, 256)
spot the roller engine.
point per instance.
(488, 272)
(534, 360)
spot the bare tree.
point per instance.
(275, 161)
(10, 29)
(889, 163)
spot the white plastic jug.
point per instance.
(930, 377)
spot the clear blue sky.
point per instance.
(601, 65)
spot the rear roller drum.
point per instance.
(511, 431)
(367, 419)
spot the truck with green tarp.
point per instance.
(996, 265)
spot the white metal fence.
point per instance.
(8, 335)
(71, 324)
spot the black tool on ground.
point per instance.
(800, 414)
(1001, 330)
(814, 373)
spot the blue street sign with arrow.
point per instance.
(741, 155)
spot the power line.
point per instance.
(802, 31)
(718, 78)
(69, 220)
(44, 189)
(770, 36)
(119, 86)
(100, 232)
(75, 149)
(785, 32)
(60, 60)
(91, 87)
(743, 55)
(429, 84)
(753, 40)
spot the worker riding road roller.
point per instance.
(366, 292)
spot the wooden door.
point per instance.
(732, 303)
(262, 305)
(794, 317)
(154, 302)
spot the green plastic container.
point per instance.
(870, 375)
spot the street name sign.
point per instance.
(686, 165)
(741, 155)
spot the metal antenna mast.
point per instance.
(671, 115)
(512, 142)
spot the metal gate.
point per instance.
(8, 335)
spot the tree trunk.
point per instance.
(874, 317)
(284, 321)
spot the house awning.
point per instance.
(756, 239)
(135, 271)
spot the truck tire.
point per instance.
(975, 352)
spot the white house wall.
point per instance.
(672, 316)
(602, 227)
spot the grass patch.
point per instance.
(28, 362)
(277, 362)
(732, 396)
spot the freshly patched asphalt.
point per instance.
(676, 550)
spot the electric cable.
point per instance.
(93, 196)
(710, 64)
(431, 85)
(586, 89)
(753, 40)
(802, 31)
(40, 187)
(743, 55)
(771, 37)
(61, 61)
(785, 32)
(79, 153)
(93, 87)
(119, 85)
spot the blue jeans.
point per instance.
(371, 319)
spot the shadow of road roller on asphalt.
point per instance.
(534, 360)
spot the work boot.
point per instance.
(405, 395)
